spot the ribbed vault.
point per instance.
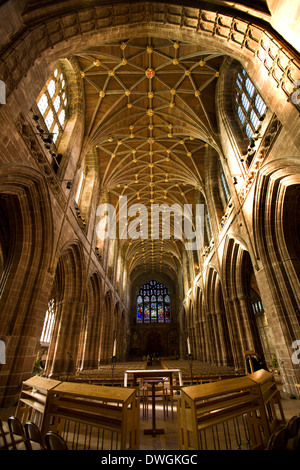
(150, 115)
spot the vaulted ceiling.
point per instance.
(150, 103)
(150, 115)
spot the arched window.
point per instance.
(225, 187)
(153, 303)
(249, 105)
(52, 103)
(48, 322)
(209, 229)
(79, 188)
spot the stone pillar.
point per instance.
(197, 340)
(283, 332)
(205, 340)
(64, 343)
(223, 346)
(89, 356)
(211, 339)
(235, 334)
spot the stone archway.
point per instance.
(216, 324)
(26, 238)
(54, 36)
(90, 329)
(276, 226)
(238, 272)
(69, 282)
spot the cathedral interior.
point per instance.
(149, 188)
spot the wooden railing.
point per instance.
(88, 417)
(239, 413)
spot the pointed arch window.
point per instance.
(208, 224)
(153, 303)
(225, 187)
(52, 103)
(249, 105)
(48, 322)
(79, 189)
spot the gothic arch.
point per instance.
(69, 296)
(106, 341)
(58, 36)
(91, 324)
(237, 272)
(276, 223)
(26, 236)
(71, 272)
(217, 335)
(200, 325)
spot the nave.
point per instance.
(149, 204)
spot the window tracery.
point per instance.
(52, 104)
(250, 106)
(225, 187)
(153, 303)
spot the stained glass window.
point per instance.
(153, 303)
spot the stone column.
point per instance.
(235, 335)
(89, 359)
(223, 346)
(64, 343)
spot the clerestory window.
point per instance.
(48, 322)
(225, 187)
(249, 105)
(53, 102)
